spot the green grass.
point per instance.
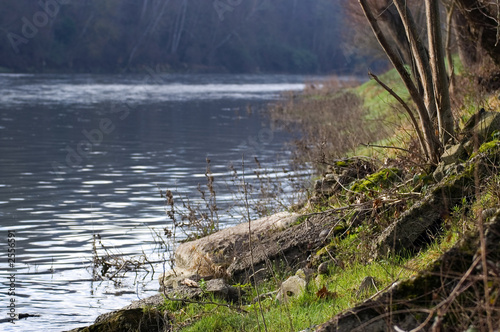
(382, 153)
(459, 67)
(306, 310)
(381, 109)
(378, 101)
(299, 313)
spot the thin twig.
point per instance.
(343, 187)
(407, 109)
(385, 147)
(343, 208)
(232, 307)
(457, 290)
(454, 293)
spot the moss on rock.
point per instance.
(381, 179)
(490, 147)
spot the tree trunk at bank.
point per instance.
(420, 55)
(431, 143)
(438, 67)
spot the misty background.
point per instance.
(230, 36)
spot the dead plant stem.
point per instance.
(385, 147)
(484, 263)
(247, 207)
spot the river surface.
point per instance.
(85, 154)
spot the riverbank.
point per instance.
(384, 234)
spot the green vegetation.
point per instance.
(377, 100)
(364, 206)
(489, 146)
(332, 121)
(314, 306)
(381, 179)
(309, 309)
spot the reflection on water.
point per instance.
(86, 154)
(91, 89)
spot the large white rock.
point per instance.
(212, 255)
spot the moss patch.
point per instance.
(381, 179)
(489, 147)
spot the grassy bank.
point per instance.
(358, 199)
(367, 112)
(327, 294)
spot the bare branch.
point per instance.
(407, 109)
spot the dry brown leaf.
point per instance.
(324, 293)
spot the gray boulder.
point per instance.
(211, 256)
(482, 125)
(454, 154)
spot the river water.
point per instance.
(85, 154)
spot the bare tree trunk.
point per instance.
(432, 146)
(421, 56)
(436, 54)
(388, 14)
(451, 67)
(395, 29)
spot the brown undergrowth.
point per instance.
(330, 121)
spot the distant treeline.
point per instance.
(294, 36)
